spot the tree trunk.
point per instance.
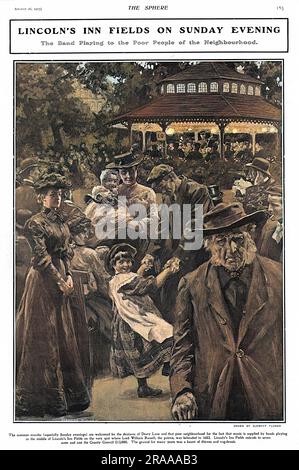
(58, 144)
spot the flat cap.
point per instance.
(158, 172)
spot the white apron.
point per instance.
(139, 311)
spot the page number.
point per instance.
(280, 8)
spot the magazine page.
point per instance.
(149, 227)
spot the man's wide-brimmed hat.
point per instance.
(126, 160)
(52, 180)
(115, 250)
(260, 164)
(225, 217)
(158, 172)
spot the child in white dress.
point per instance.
(141, 339)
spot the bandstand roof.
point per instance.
(211, 70)
(196, 105)
(203, 107)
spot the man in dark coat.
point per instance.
(195, 153)
(270, 243)
(256, 197)
(181, 191)
(227, 356)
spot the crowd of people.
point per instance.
(210, 317)
(206, 149)
(80, 164)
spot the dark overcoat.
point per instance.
(193, 194)
(190, 193)
(266, 245)
(256, 197)
(205, 351)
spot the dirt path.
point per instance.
(116, 400)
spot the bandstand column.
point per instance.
(130, 132)
(253, 143)
(278, 142)
(143, 140)
(163, 126)
(222, 128)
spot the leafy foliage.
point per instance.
(270, 73)
(46, 103)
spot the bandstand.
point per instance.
(209, 96)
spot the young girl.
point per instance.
(141, 339)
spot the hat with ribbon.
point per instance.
(126, 160)
(51, 180)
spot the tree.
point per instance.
(124, 85)
(46, 102)
(270, 73)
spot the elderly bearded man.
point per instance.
(227, 356)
